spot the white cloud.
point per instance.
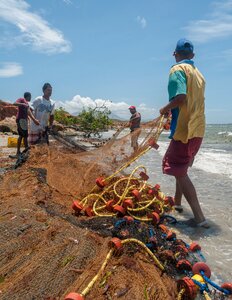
(67, 2)
(142, 21)
(217, 25)
(10, 69)
(117, 108)
(35, 31)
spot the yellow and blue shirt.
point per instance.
(188, 120)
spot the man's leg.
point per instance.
(26, 142)
(136, 145)
(178, 194)
(136, 137)
(190, 194)
(178, 198)
(19, 144)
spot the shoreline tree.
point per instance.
(94, 120)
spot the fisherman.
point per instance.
(22, 121)
(44, 109)
(134, 125)
(186, 89)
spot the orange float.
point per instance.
(100, 181)
(77, 206)
(190, 289)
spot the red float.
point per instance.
(182, 249)
(227, 286)
(144, 176)
(163, 228)
(88, 210)
(201, 267)
(169, 201)
(157, 187)
(74, 296)
(115, 243)
(152, 143)
(166, 126)
(136, 194)
(155, 217)
(194, 247)
(127, 203)
(128, 219)
(110, 205)
(184, 265)
(119, 210)
(151, 192)
(170, 235)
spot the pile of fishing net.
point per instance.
(140, 217)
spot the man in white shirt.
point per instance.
(43, 108)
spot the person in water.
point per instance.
(186, 89)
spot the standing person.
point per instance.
(134, 124)
(22, 121)
(186, 101)
(44, 109)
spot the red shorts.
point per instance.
(180, 156)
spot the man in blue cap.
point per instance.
(186, 88)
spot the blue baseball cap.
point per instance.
(184, 45)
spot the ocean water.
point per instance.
(215, 154)
(211, 174)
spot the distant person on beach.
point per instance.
(186, 89)
(22, 121)
(44, 109)
(134, 125)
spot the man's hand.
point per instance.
(164, 111)
(36, 122)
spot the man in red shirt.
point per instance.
(134, 124)
(22, 121)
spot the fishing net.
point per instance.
(117, 154)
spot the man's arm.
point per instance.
(19, 103)
(32, 117)
(51, 120)
(178, 101)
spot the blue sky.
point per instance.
(93, 51)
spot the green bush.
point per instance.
(64, 117)
(94, 120)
